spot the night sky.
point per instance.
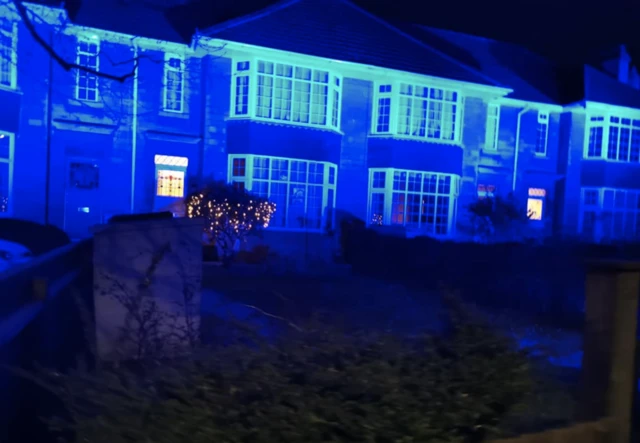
(567, 30)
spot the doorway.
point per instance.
(82, 200)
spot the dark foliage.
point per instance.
(39, 239)
(316, 385)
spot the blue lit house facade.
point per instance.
(318, 106)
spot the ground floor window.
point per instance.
(6, 172)
(535, 203)
(425, 201)
(170, 175)
(304, 191)
(608, 214)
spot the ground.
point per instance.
(275, 303)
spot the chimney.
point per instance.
(624, 65)
(634, 78)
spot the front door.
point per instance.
(82, 208)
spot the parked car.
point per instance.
(12, 254)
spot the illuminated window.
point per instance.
(303, 191)
(417, 111)
(610, 214)
(6, 172)
(424, 201)
(170, 175)
(87, 50)
(542, 133)
(493, 127)
(485, 191)
(8, 53)
(613, 138)
(173, 83)
(535, 203)
(286, 93)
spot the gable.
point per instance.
(339, 30)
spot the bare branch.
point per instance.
(67, 66)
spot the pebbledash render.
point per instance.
(338, 112)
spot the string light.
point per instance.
(228, 217)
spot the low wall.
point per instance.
(602, 431)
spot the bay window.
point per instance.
(286, 93)
(424, 201)
(304, 191)
(6, 172)
(417, 111)
(613, 138)
(8, 53)
(610, 214)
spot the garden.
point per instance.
(425, 341)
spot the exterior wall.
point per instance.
(124, 130)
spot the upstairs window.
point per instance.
(173, 100)
(8, 53)
(542, 133)
(613, 138)
(87, 51)
(417, 111)
(286, 93)
(493, 127)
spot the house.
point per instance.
(319, 106)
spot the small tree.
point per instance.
(497, 216)
(231, 213)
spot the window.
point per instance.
(6, 172)
(173, 83)
(8, 53)
(485, 191)
(535, 203)
(87, 51)
(542, 133)
(424, 201)
(493, 127)
(286, 93)
(417, 111)
(303, 191)
(610, 214)
(613, 138)
(170, 175)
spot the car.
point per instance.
(12, 254)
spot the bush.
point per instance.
(231, 213)
(316, 385)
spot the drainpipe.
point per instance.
(47, 185)
(517, 152)
(134, 128)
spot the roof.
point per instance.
(340, 30)
(532, 77)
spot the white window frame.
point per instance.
(92, 39)
(170, 69)
(605, 123)
(327, 186)
(387, 191)
(542, 141)
(394, 124)
(10, 161)
(333, 114)
(13, 62)
(631, 206)
(493, 120)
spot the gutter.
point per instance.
(134, 128)
(517, 147)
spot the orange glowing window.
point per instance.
(486, 191)
(535, 203)
(170, 183)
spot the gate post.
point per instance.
(608, 365)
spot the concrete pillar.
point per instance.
(147, 281)
(612, 290)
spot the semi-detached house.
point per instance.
(321, 107)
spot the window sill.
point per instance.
(176, 114)
(15, 90)
(491, 151)
(98, 104)
(416, 139)
(284, 123)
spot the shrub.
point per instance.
(231, 213)
(497, 216)
(312, 385)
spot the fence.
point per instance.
(40, 321)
